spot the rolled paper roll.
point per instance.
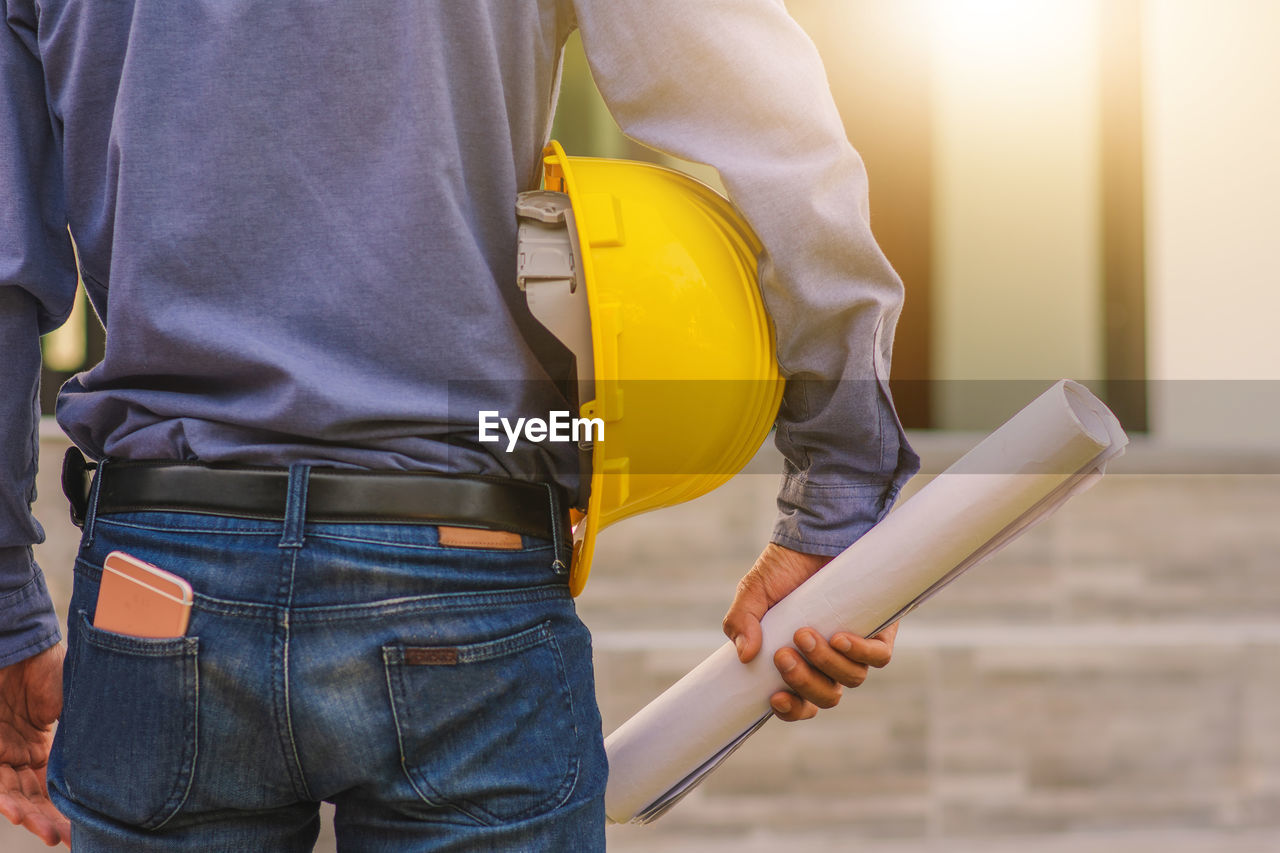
(1054, 448)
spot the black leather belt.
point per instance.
(333, 495)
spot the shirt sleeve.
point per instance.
(737, 84)
(37, 286)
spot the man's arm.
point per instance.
(738, 85)
(37, 286)
(27, 621)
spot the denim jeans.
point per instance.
(441, 698)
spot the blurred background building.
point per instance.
(1083, 188)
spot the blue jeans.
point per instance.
(441, 698)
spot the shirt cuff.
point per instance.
(28, 623)
(825, 519)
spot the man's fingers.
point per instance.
(48, 824)
(777, 571)
(791, 708)
(9, 808)
(24, 801)
(828, 660)
(40, 819)
(889, 634)
(742, 622)
(41, 827)
(869, 651)
(805, 681)
(816, 670)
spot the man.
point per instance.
(296, 221)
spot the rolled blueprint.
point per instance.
(1051, 450)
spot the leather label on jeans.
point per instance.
(471, 537)
(430, 657)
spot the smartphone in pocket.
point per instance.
(141, 600)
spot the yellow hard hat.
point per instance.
(650, 278)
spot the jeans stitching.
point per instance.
(274, 533)
(286, 640)
(187, 654)
(557, 564)
(530, 638)
(108, 521)
(418, 547)
(426, 604)
(288, 715)
(91, 511)
(486, 650)
(527, 639)
(192, 737)
(401, 606)
(276, 686)
(294, 533)
(571, 781)
(395, 717)
(280, 671)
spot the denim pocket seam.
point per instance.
(184, 650)
(109, 521)
(571, 781)
(538, 635)
(393, 653)
(159, 647)
(392, 690)
(452, 602)
(208, 603)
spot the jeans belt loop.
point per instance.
(295, 511)
(91, 511)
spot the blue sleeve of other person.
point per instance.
(37, 287)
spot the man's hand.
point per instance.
(816, 672)
(30, 702)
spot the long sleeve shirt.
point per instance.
(296, 221)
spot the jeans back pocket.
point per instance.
(486, 728)
(129, 724)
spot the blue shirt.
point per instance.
(296, 221)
